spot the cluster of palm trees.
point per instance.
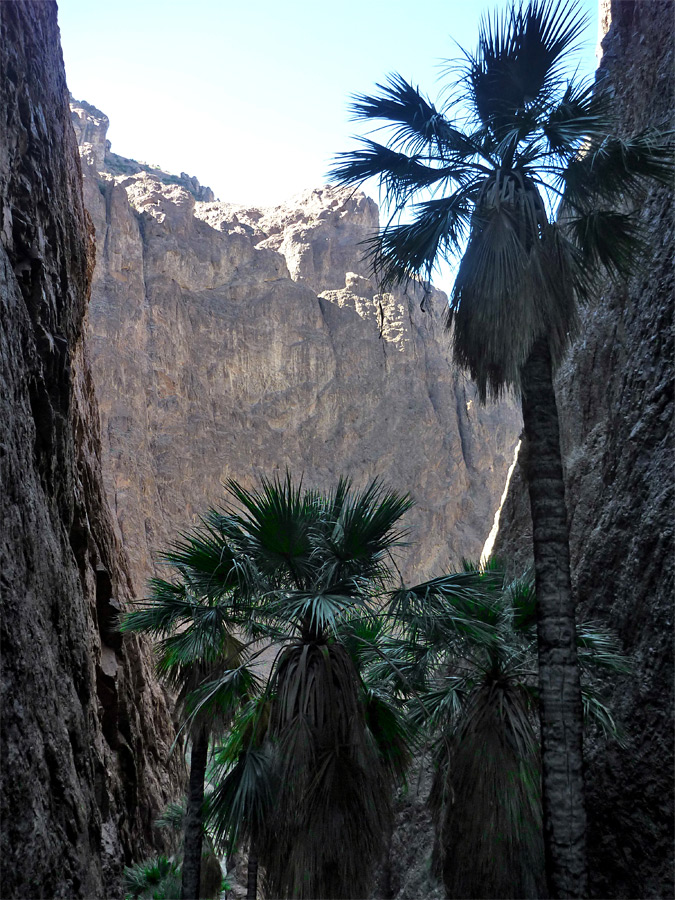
(523, 178)
(305, 762)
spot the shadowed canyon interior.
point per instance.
(155, 341)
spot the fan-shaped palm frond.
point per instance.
(519, 60)
(243, 779)
(155, 879)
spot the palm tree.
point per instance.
(152, 879)
(304, 778)
(523, 142)
(196, 646)
(472, 684)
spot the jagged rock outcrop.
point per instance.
(231, 342)
(615, 395)
(91, 125)
(85, 730)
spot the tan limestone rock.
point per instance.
(233, 342)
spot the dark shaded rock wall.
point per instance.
(615, 394)
(85, 731)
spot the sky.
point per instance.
(252, 97)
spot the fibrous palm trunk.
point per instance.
(194, 829)
(252, 877)
(561, 711)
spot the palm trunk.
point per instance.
(192, 854)
(561, 710)
(252, 877)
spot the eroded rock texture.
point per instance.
(615, 395)
(85, 731)
(233, 342)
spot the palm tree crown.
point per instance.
(530, 142)
(302, 776)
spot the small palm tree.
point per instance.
(303, 778)
(474, 689)
(153, 879)
(522, 144)
(196, 645)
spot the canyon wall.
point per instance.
(615, 396)
(233, 342)
(85, 730)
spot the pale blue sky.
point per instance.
(251, 97)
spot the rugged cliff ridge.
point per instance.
(229, 342)
(615, 395)
(85, 732)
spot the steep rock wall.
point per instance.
(615, 396)
(85, 731)
(230, 342)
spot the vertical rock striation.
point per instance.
(230, 342)
(615, 395)
(85, 731)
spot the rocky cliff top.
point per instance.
(91, 129)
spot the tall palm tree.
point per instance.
(304, 777)
(517, 143)
(196, 645)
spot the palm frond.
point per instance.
(515, 283)
(405, 252)
(415, 121)
(169, 606)
(580, 114)
(523, 600)
(155, 879)
(607, 240)
(461, 603)
(240, 804)
(612, 170)
(392, 732)
(366, 529)
(320, 612)
(518, 60)
(598, 713)
(172, 818)
(206, 558)
(599, 649)
(400, 176)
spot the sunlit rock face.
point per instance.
(85, 731)
(615, 395)
(230, 342)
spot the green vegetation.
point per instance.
(306, 766)
(536, 195)
(463, 657)
(155, 879)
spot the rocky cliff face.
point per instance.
(615, 395)
(230, 342)
(85, 731)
